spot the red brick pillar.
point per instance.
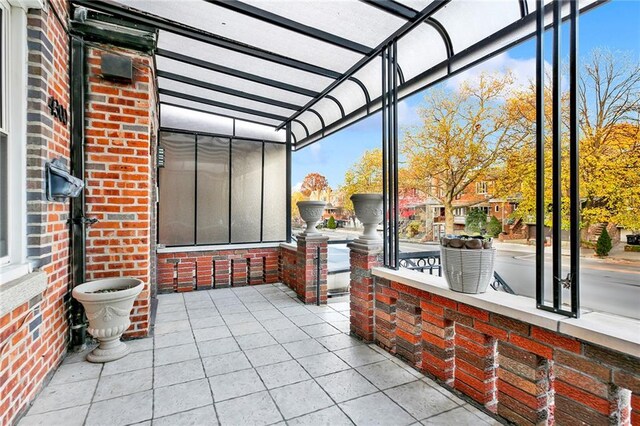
(363, 258)
(385, 315)
(204, 272)
(307, 276)
(409, 328)
(121, 122)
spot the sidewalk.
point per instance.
(617, 253)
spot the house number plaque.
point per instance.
(57, 110)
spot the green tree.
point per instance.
(331, 223)
(603, 245)
(476, 220)
(364, 176)
(464, 135)
(494, 227)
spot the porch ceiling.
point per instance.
(313, 63)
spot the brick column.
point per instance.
(409, 329)
(307, 270)
(363, 257)
(438, 354)
(385, 314)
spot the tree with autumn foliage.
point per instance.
(609, 113)
(463, 136)
(313, 186)
(364, 176)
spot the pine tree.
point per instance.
(603, 246)
(331, 223)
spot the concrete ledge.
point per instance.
(190, 249)
(19, 291)
(614, 332)
(289, 246)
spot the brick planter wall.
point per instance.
(197, 270)
(288, 267)
(120, 119)
(34, 335)
(522, 372)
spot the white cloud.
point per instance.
(523, 70)
(297, 187)
(407, 115)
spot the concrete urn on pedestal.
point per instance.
(369, 212)
(108, 303)
(311, 213)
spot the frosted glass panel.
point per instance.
(274, 226)
(246, 190)
(213, 190)
(177, 189)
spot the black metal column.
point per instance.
(288, 184)
(573, 277)
(391, 248)
(574, 149)
(556, 130)
(540, 163)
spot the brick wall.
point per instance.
(33, 337)
(120, 123)
(524, 373)
(188, 271)
(288, 268)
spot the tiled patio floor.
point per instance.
(244, 356)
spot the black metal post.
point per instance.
(574, 150)
(77, 223)
(394, 110)
(318, 268)
(540, 163)
(557, 160)
(288, 184)
(385, 164)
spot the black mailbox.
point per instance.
(60, 184)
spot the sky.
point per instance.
(614, 25)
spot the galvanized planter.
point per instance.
(467, 270)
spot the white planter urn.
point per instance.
(311, 213)
(108, 303)
(369, 212)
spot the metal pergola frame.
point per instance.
(394, 87)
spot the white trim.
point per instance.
(608, 330)
(27, 4)
(16, 107)
(190, 249)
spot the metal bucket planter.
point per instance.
(468, 270)
(108, 303)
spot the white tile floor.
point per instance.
(248, 356)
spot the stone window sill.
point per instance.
(21, 290)
(604, 329)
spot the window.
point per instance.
(481, 187)
(217, 190)
(460, 211)
(497, 208)
(13, 135)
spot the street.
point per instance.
(604, 286)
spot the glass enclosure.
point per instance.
(217, 190)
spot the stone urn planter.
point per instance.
(467, 263)
(369, 212)
(108, 303)
(311, 213)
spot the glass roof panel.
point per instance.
(311, 121)
(468, 21)
(350, 95)
(420, 50)
(328, 109)
(188, 89)
(239, 61)
(370, 76)
(298, 130)
(185, 119)
(355, 21)
(220, 79)
(258, 131)
(253, 32)
(215, 110)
